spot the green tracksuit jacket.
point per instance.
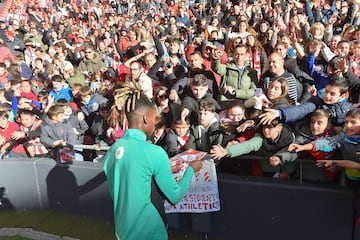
(129, 166)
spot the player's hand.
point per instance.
(196, 165)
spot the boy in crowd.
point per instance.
(55, 133)
(199, 92)
(7, 128)
(207, 132)
(98, 130)
(60, 88)
(177, 137)
(348, 142)
(159, 135)
(273, 139)
(25, 142)
(77, 122)
(318, 128)
(90, 102)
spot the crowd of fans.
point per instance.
(228, 77)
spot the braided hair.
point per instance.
(131, 99)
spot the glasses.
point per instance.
(134, 69)
(163, 97)
(88, 52)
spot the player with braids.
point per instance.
(136, 170)
(117, 120)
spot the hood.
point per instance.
(96, 59)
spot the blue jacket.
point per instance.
(65, 93)
(320, 77)
(93, 105)
(337, 111)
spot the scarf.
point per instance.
(182, 141)
(254, 60)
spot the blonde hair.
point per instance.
(318, 25)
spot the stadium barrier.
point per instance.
(251, 207)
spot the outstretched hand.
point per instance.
(268, 116)
(295, 147)
(245, 125)
(324, 163)
(218, 152)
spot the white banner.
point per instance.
(202, 195)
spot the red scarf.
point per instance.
(30, 95)
(254, 59)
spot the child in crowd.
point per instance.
(46, 101)
(90, 102)
(7, 128)
(2, 97)
(26, 90)
(159, 135)
(318, 128)
(355, 58)
(334, 98)
(75, 92)
(98, 129)
(25, 70)
(4, 75)
(199, 92)
(273, 138)
(207, 132)
(78, 123)
(348, 142)
(177, 137)
(230, 119)
(6, 107)
(25, 142)
(60, 89)
(56, 134)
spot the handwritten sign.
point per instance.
(202, 195)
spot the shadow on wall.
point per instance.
(5, 203)
(63, 190)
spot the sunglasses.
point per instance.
(164, 96)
